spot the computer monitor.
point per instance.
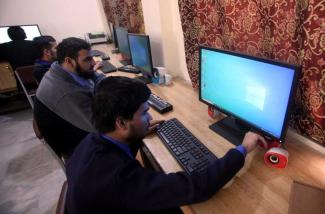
(122, 40)
(141, 55)
(112, 33)
(255, 93)
(30, 30)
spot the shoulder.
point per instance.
(6, 45)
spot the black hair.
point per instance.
(117, 97)
(41, 43)
(16, 33)
(70, 47)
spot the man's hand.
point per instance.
(98, 65)
(154, 125)
(251, 139)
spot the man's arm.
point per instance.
(98, 77)
(142, 190)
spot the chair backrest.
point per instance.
(39, 135)
(61, 207)
(26, 79)
(25, 74)
(7, 79)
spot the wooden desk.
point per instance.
(256, 188)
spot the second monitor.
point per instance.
(141, 55)
(123, 45)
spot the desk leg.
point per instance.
(148, 160)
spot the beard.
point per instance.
(136, 135)
(85, 74)
(135, 140)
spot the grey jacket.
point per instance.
(67, 98)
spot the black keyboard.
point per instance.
(192, 155)
(159, 104)
(129, 69)
(107, 67)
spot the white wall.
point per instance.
(163, 25)
(152, 24)
(173, 39)
(58, 18)
(103, 17)
(65, 18)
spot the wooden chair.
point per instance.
(7, 78)
(25, 77)
(61, 207)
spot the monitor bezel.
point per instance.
(297, 71)
(2, 26)
(117, 42)
(144, 73)
(114, 35)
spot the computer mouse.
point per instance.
(105, 57)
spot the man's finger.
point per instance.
(262, 141)
(156, 122)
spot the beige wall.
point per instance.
(152, 23)
(59, 18)
(163, 25)
(64, 18)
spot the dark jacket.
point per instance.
(62, 109)
(41, 67)
(62, 136)
(18, 53)
(102, 178)
(67, 98)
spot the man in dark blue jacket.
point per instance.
(104, 176)
(46, 54)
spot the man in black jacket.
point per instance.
(18, 52)
(104, 176)
(46, 54)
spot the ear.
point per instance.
(68, 60)
(121, 123)
(46, 52)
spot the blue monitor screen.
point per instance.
(122, 40)
(252, 90)
(140, 52)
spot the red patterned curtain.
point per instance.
(125, 13)
(290, 31)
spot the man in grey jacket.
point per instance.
(63, 99)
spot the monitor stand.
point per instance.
(143, 79)
(115, 51)
(125, 62)
(231, 129)
(129, 69)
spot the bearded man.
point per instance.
(62, 107)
